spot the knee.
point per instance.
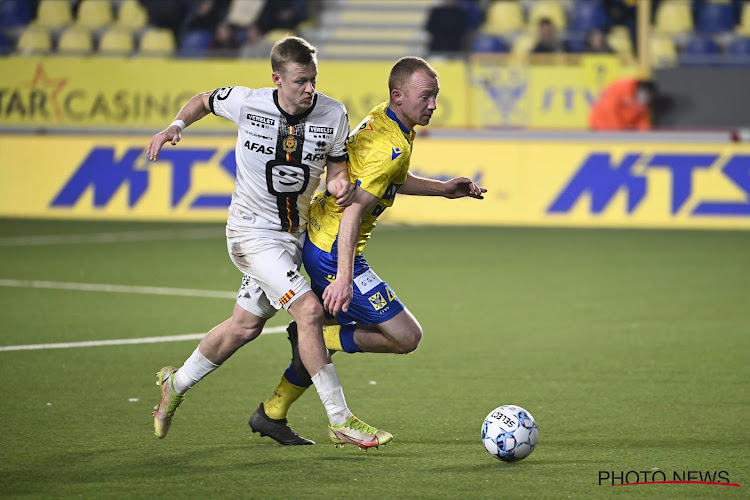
(244, 330)
(410, 341)
(310, 312)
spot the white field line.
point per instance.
(143, 340)
(103, 287)
(114, 237)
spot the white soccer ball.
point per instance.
(509, 433)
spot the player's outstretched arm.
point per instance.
(458, 187)
(195, 109)
(338, 294)
(337, 183)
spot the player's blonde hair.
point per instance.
(403, 70)
(292, 49)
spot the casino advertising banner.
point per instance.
(550, 183)
(145, 94)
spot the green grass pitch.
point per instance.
(630, 348)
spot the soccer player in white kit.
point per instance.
(286, 136)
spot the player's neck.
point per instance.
(404, 123)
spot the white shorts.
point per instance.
(270, 261)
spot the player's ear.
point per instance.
(397, 96)
(276, 77)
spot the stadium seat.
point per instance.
(700, 50)
(743, 27)
(473, 13)
(673, 17)
(14, 13)
(738, 52)
(551, 9)
(663, 52)
(587, 15)
(714, 17)
(116, 42)
(274, 36)
(75, 40)
(34, 40)
(94, 14)
(157, 42)
(619, 40)
(196, 42)
(488, 44)
(503, 18)
(53, 14)
(131, 15)
(243, 12)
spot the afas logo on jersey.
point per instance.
(260, 148)
(600, 178)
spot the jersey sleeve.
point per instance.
(227, 102)
(379, 167)
(338, 151)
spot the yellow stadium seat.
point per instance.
(274, 36)
(157, 42)
(619, 40)
(503, 18)
(53, 14)
(673, 17)
(75, 40)
(551, 9)
(663, 52)
(243, 12)
(131, 15)
(116, 42)
(743, 28)
(94, 14)
(34, 40)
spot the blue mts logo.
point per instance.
(602, 178)
(104, 174)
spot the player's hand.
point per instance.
(461, 187)
(337, 296)
(344, 192)
(170, 134)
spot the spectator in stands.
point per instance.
(206, 14)
(281, 15)
(596, 43)
(448, 25)
(624, 104)
(255, 46)
(168, 14)
(547, 41)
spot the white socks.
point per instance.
(195, 368)
(331, 394)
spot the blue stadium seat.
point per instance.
(487, 44)
(715, 18)
(738, 52)
(195, 42)
(587, 15)
(14, 13)
(700, 50)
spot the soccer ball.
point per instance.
(509, 433)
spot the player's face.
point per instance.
(296, 84)
(420, 99)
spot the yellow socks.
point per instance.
(286, 393)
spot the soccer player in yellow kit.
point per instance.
(369, 316)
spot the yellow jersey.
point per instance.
(379, 155)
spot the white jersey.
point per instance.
(280, 157)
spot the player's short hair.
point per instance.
(403, 70)
(292, 49)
